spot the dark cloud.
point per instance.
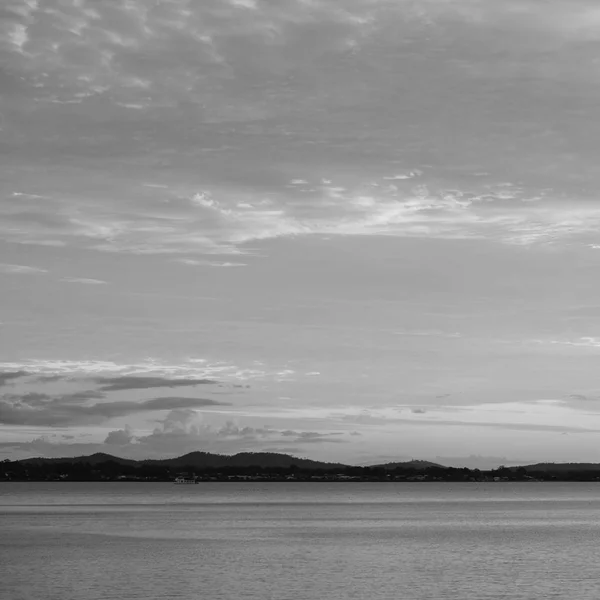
(174, 402)
(82, 396)
(8, 376)
(131, 382)
(45, 410)
(32, 399)
(49, 378)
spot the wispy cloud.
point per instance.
(192, 262)
(83, 280)
(582, 342)
(541, 415)
(220, 223)
(144, 374)
(20, 269)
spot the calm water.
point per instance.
(299, 541)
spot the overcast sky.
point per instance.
(353, 230)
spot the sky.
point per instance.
(356, 231)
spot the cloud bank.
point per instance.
(225, 113)
(40, 409)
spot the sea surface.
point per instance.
(299, 541)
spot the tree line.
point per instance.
(115, 471)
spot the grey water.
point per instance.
(299, 541)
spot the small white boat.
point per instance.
(183, 481)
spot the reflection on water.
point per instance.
(223, 541)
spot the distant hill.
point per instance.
(92, 459)
(409, 464)
(243, 459)
(561, 467)
(202, 460)
(199, 460)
